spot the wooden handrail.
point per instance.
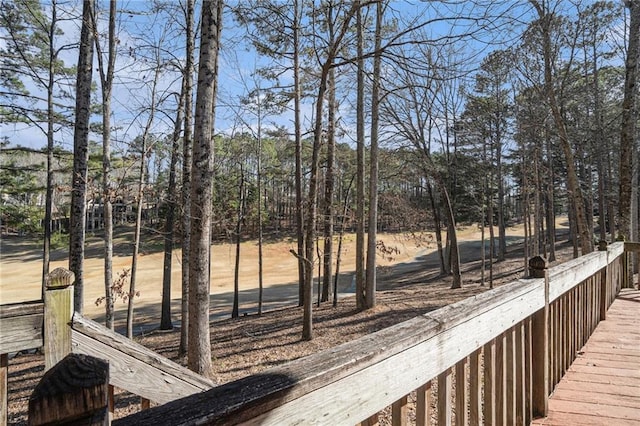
(21, 325)
(134, 367)
(354, 381)
(504, 326)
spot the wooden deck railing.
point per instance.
(504, 349)
(490, 359)
(54, 326)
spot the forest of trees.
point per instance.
(261, 119)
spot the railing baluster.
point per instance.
(4, 388)
(510, 377)
(528, 373)
(399, 412)
(444, 398)
(501, 379)
(423, 405)
(490, 383)
(371, 421)
(520, 369)
(475, 389)
(461, 393)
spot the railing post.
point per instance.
(74, 390)
(604, 285)
(540, 342)
(626, 273)
(4, 388)
(58, 311)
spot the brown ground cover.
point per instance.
(409, 284)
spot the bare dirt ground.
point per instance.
(409, 284)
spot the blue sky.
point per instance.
(238, 64)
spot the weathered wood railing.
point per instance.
(505, 349)
(52, 325)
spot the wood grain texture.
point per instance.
(75, 391)
(602, 386)
(444, 398)
(21, 326)
(134, 367)
(399, 412)
(423, 405)
(58, 302)
(382, 366)
(475, 389)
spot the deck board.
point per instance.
(602, 386)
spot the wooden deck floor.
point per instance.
(602, 386)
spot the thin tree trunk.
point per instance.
(361, 302)
(187, 146)
(165, 316)
(340, 238)
(81, 155)
(551, 210)
(453, 238)
(140, 198)
(444, 266)
(312, 200)
(235, 312)
(373, 166)
(329, 189)
(260, 200)
(106, 80)
(48, 210)
(298, 140)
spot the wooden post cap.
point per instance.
(602, 245)
(59, 278)
(537, 266)
(75, 388)
(621, 237)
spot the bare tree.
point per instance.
(544, 28)
(629, 118)
(106, 81)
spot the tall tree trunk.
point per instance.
(169, 225)
(81, 155)
(373, 166)
(48, 209)
(329, 188)
(502, 232)
(187, 146)
(629, 119)
(492, 241)
(298, 140)
(361, 302)
(261, 197)
(312, 200)
(106, 81)
(140, 199)
(199, 350)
